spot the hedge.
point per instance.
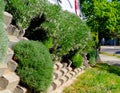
(59, 30)
(35, 66)
(3, 35)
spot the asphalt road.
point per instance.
(111, 60)
(111, 49)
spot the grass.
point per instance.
(110, 54)
(102, 78)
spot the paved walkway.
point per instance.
(111, 60)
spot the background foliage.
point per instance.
(102, 16)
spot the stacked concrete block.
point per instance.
(63, 73)
(12, 41)
(5, 91)
(12, 65)
(20, 89)
(8, 78)
(3, 68)
(9, 81)
(8, 55)
(7, 19)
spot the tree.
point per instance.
(102, 16)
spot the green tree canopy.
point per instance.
(102, 16)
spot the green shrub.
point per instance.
(92, 56)
(24, 10)
(35, 66)
(3, 36)
(69, 33)
(77, 60)
(66, 30)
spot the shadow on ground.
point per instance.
(109, 68)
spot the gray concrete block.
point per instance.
(5, 91)
(12, 41)
(76, 71)
(8, 55)
(59, 65)
(55, 67)
(63, 79)
(23, 38)
(79, 69)
(83, 67)
(12, 65)
(50, 89)
(3, 67)
(69, 76)
(7, 18)
(73, 74)
(9, 81)
(64, 71)
(57, 74)
(56, 84)
(65, 65)
(20, 89)
(12, 30)
(69, 69)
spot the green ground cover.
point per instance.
(102, 78)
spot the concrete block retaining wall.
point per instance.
(63, 75)
(9, 80)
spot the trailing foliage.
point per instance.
(24, 10)
(35, 65)
(59, 30)
(77, 60)
(3, 36)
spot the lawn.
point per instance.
(102, 78)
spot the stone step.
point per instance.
(8, 55)
(3, 67)
(20, 89)
(12, 65)
(5, 91)
(7, 19)
(12, 41)
(9, 80)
